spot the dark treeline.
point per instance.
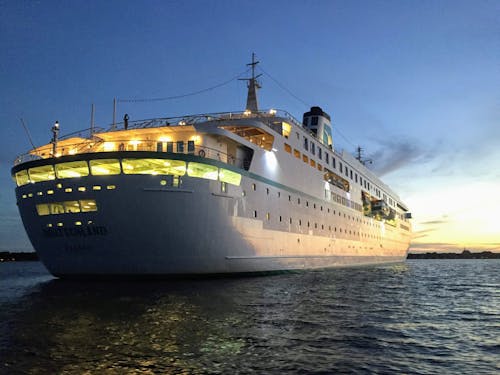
(6, 256)
(466, 254)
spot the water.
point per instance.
(422, 317)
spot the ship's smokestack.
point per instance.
(319, 123)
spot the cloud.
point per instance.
(394, 155)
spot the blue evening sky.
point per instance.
(416, 83)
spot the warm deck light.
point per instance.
(272, 112)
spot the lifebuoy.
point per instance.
(201, 153)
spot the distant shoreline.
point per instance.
(7, 256)
(466, 254)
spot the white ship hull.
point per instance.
(146, 227)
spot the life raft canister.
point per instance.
(201, 153)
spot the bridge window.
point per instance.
(22, 178)
(103, 167)
(72, 169)
(154, 166)
(225, 175)
(43, 173)
(202, 171)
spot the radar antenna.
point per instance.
(252, 85)
(361, 158)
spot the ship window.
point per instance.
(255, 214)
(111, 187)
(102, 167)
(72, 169)
(267, 191)
(154, 166)
(340, 167)
(286, 128)
(42, 209)
(223, 187)
(306, 144)
(180, 146)
(333, 162)
(56, 208)
(313, 148)
(254, 187)
(202, 171)
(177, 181)
(71, 207)
(320, 168)
(22, 178)
(288, 148)
(88, 205)
(320, 153)
(82, 188)
(327, 158)
(191, 147)
(68, 190)
(305, 158)
(296, 153)
(313, 163)
(78, 223)
(314, 120)
(50, 192)
(96, 187)
(170, 146)
(233, 178)
(43, 173)
(39, 193)
(268, 216)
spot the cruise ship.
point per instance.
(221, 193)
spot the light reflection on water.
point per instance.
(419, 317)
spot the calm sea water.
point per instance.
(422, 317)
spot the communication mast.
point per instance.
(253, 85)
(360, 157)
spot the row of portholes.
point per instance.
(340, 230)
(348, 217)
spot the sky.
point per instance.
(415, 83)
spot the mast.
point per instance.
(253, 85)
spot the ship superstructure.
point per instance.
(250, 191)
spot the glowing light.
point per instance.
(165, 139)
(109, 146)
(271, 161)
(272, 112)
(135, 143)
(72, 151)
(247, 112)
(182, 122)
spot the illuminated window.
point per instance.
(313, 163)
(68, 190)
(39, 193)
(96, 187)
(102, 167)
(56, 208)
(177, 181)
(72, 169)
(296, 153)
(43, 173)
(201, 170)
(30, 195)
(42, 209)
(111, 187)
(254, 187)
(78, 223)
(305, 158)
(59, 186)
(49, 225)
(154, 167)
(223, 187)
(288, 148)
(25, 196)
(22, 178)
(286, 128)
(163, 182)
(71, 207)
(88, 205)
(60, 224)
(320, 168)
(230, 177)
(82, 188)
(268, 216)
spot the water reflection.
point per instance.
(374, 319)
